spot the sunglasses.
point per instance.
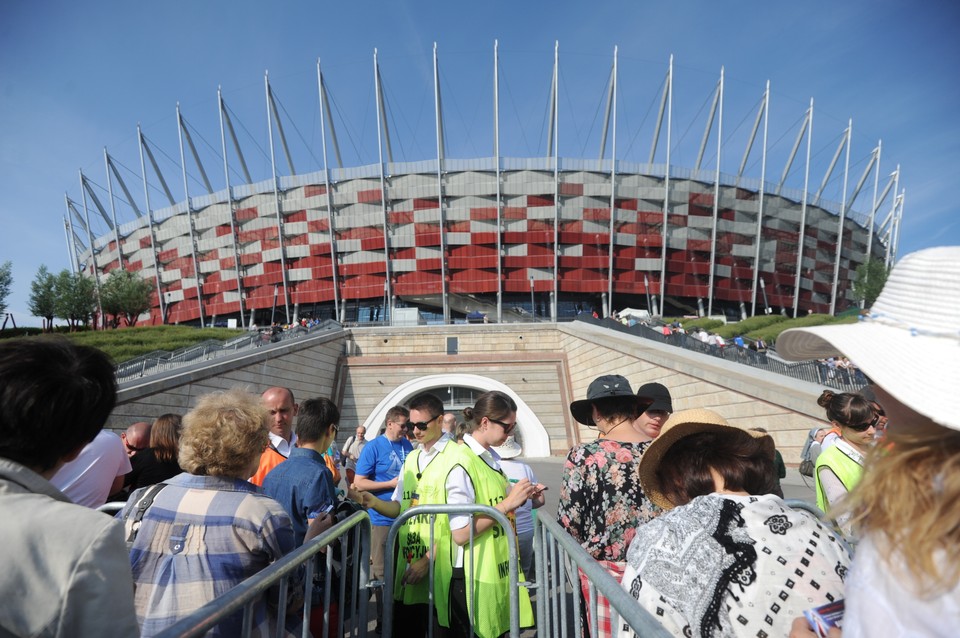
(507, 427)
(420, 425)
(863, 427)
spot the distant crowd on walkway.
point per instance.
(681, 506)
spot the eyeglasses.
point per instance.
(132, 448)
(507, 427)
(421, 425)
(863, 427)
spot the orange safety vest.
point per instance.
(270, 459)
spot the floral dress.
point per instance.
(601, 506)
(601, 502)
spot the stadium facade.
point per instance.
(506, 237)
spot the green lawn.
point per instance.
(126, 343)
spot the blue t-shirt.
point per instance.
(381, 460)
(303, 485)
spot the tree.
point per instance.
(76, 298)
(870, 279)
(6, 281)
(43, 297)
(125, 295)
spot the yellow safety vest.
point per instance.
(426, 488)
(489, 604)
(847, 470)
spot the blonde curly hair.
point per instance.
(908, 502)
(224, 434)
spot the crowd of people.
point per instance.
(681, 507)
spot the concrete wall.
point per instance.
(547, 365)
(307, 366)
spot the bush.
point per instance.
(771, 333)
(747, 326)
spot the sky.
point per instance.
(76, 78)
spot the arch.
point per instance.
(536, 442)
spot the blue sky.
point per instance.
(78, 77)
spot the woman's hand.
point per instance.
(521, 491)
(801, 629)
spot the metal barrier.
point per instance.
(162, 361)
(556, 594)
(811, 371)
(558, 557)
(432, 511)
(297, 565)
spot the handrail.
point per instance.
(810, 371)
(432, 511)
(622, 604)
(250, 590)
(161, 360)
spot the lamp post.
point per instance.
(273, 311)
(533, 309)
(763, 289)
(646, 287)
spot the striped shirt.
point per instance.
(202, 536)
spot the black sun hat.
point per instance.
(609, 386)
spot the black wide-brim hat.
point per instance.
(609, 386)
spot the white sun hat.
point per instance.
(909, 342)
(509, 449)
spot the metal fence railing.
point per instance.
(163, 361)
(296, 567)
(813, 371)
(559, 605)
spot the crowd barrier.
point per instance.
(298, 566)
(555, 594)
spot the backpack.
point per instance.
(345, 559)
(139, 510)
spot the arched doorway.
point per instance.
(536, 443)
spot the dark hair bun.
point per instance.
(468, 415)
(825, 399)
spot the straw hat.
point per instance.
(679, 425)
(608, 386)
(509, 449)
(909, 344)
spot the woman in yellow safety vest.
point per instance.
(840, 464)
(480, 589)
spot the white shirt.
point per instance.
(879, 603)
(283, 446)
(87, 479)
(515, 471)
(423, 460)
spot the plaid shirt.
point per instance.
(202, 536)
(604, 628)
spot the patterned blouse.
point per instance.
(601, 502)
(733, 566)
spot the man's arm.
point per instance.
(363, 483)
(390, 509)
(117, 484)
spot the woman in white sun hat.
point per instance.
(516, 470)
(905, 579)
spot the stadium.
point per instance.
(498, 238)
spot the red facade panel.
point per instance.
(372, 196)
